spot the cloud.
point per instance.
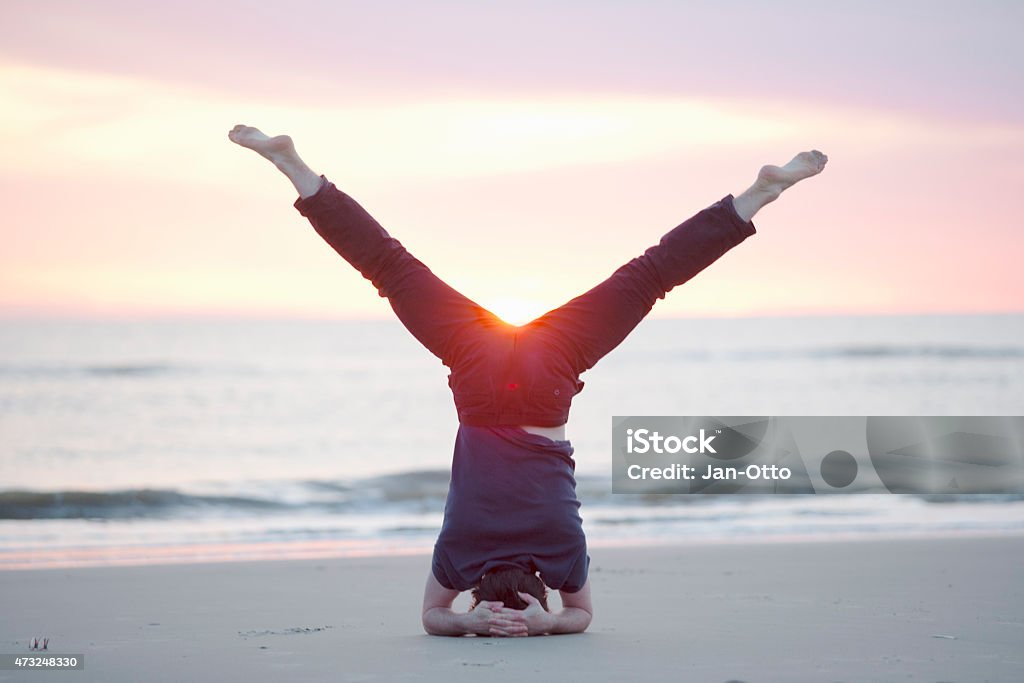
(938, 59)
(126, 126)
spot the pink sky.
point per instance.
(523, 152)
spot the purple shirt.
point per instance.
(512, 501)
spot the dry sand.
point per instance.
(851, 611)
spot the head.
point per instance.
(504, 583)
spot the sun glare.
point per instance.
(514, 311)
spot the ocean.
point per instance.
(128, 441)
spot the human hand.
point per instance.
(490, 618)
(532, 621)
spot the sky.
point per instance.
(521, 150)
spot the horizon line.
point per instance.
(113, 316)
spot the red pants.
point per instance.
(503, 374)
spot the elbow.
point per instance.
(432, 626)
(585, 617)
(576, 620)
(429, 627)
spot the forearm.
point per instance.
(570, 620)
(440, 621)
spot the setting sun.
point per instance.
(515, 311)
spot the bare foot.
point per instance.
(772, 180)
(278, 149)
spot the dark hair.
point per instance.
(502, 584)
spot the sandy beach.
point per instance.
(879, 610)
